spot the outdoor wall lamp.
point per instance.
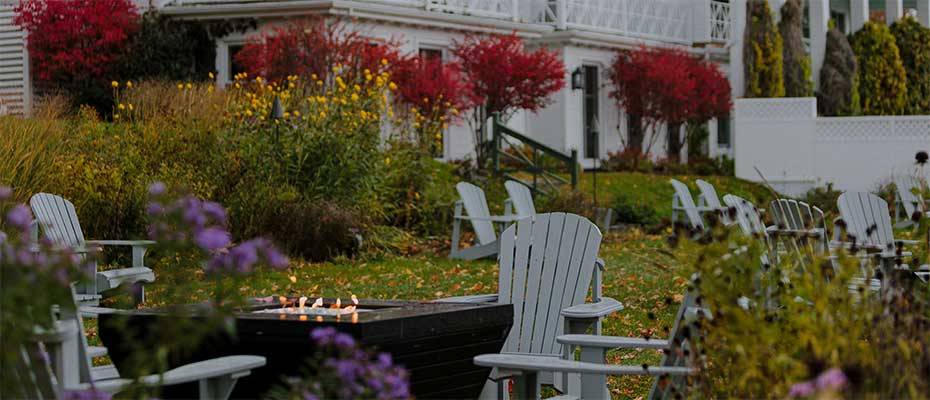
(578, 79)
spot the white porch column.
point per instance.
(737, 27)
(923, 12)
(858, 14)
(819, 17)
(894, 10)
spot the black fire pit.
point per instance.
(434, 341)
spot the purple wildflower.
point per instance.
(215, 211)
(274, 257)
(802, 389)
(154, 208)
(211, 239)
(343, 341)
(323, 336)
(5, 192)
(245, 255)
(20, 217)
(310, 396)
(832, 379)
(157, 189)
(88, 394)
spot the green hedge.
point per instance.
(882, 79)
(913, 42)
(762, 54)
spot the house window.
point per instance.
(436, 144)
(724, 138)
(235, 68)
(591, 108)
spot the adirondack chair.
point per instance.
(683, 202)
(68, 367)
(593, 366)
(547, 264)
(475, 204)
(800, 221)
(865, 216)
(521, 198)
(907, 202)
(708, 199)
(59, 223)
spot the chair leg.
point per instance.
(456, 231)
(219, 388)
(526, 386)
(138, 293)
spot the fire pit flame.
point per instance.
(317, 308)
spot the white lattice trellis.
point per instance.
(873, 129)
(786, 109)
(666, 20)
(719, 21)
(498, 9)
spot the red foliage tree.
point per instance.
(670, 86)
(434, 93)
(314, 46)
(76, 43)
(507, 77)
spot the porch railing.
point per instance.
(517, 157)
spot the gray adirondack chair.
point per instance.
(475, 204)
(683, 202)
(68, 367)
(593, 366)
(548, 262)
(866, 217)
(521, 198)
(802, 223)
(907, 202)
(708, 200)
(747, 216)
(59, 223)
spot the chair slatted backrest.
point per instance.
(747, 215)
(522, 198)
(867, 218)
(476, 205)
(58, 219)
(906, 186)
(685, 202)
(546, 264)
(679, 336)
(709, 194)
(33, 373)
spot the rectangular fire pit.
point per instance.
(434, 341)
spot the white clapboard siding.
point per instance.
(15, 88)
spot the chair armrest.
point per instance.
(477, 298)
(601, 264)
(612, 342)
(133, 243)
(235, 366)
(519, 362)
(905, 242)
(602, 308)
(494, 218)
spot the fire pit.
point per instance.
(434, 341)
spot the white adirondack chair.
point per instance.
(907, 202)
(593, 366)
(475, 204)
(59, 223)
(866, 217)
(547, 264)
(800, 221)
(521, 198)
(68, 367)
(683, 202)
(708, 199)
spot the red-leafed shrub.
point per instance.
(432, 93)
(670, 86)
(313, 47)
(507, 77)
(76, 44)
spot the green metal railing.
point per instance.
(531, 163)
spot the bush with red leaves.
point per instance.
(76, 44)
(670, 86)
(432, 92)
(312, 47)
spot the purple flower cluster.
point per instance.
(832, 379)
(204, 223)
(359, 374)
(88, 394)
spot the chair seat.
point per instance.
(104, 373)
(96, 351)
(113, 278)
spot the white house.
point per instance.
(586, 33)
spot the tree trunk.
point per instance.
(674, 142)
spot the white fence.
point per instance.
(15, 90)
(796, 150)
